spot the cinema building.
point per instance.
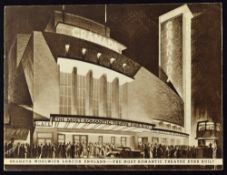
(71, 82)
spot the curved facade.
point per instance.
(80, 84)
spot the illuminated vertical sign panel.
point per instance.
(175, 56)
(171, 53)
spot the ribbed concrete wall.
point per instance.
(149, 98)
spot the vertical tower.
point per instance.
(175, 56)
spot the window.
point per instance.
(65, 93)
(123, 141)
(172, 141)
(81, 80)
(109, 98)
(121, 96)
(161, 124)
(113, 140)
(202, 127)
(218, 127)
(100, 141)
(164, 141)
(123, 103)
(76, 139)
(155, 140)
(44, 135)
(95, 97)
(43, 138)
(84, 139)
(139, 140)
(168, 126)
(174, 127)
(61, 138)
(210, 126)
(178, 141)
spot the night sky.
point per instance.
(136, 26)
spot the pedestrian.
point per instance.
(159, 151)
(72, 153)
(22, 151)
(146, 151)
(155, 155)
(214, 154)
(10, 148)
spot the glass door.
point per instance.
(144, 140)
(83, 139)
(76, 139)
(44, 138)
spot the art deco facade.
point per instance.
(71, 82)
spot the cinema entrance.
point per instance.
(85, 130)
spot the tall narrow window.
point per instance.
(95, 97)
(61, 138)
(65, 93)
(113, 140)
(100, 141)
(123, 141)
(109, 98)
(121, 95)
(81, 94)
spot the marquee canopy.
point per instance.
(90, 122)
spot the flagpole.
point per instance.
(105, 13)
(105, 18)
(63, 13)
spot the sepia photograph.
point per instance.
(113, 87)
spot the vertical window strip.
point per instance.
(81, 94)
(95, 97)
(109, 98)
(65, 93)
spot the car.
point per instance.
(123, 152)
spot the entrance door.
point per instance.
(76, 139)
(141, 142)
(44, 138)
(83, 139)
(44, 141)
(144, 140)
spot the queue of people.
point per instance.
(179, 151)
(163, 151)
(60, 150)
(97, 150)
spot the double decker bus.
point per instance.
(208, 134)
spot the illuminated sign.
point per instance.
(102, 121)
(43, 124)
(169, 48)
(171, 61)
(175, 56)
(90, 36)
